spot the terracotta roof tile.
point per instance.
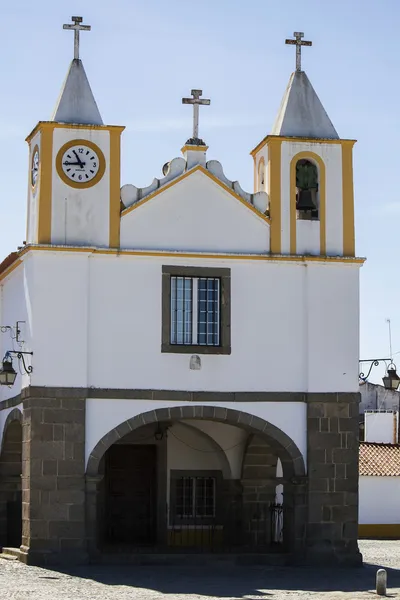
(382, 460)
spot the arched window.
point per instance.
(307, 190)
(261, 175)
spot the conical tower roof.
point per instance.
(76, 103)
(301, 113)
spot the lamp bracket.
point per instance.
(20, 355)
(374, 363)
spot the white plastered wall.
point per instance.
(197, 215)
(379, 499)
(97, 323)
(16, 292)
(81, 216)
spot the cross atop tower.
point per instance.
(298, 42)
(77, 27)
(196, 101)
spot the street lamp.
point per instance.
(391, 380)
(7, 373)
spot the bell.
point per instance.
(305, 201)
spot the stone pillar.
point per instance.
(295, 516)
(332, 524)
(53, 479)
(259, 489)
(94, 512)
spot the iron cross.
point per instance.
(77, 27)
(196, 101)
(298, 42)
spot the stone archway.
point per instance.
(257, 428)
(291, 457)
(10, 481)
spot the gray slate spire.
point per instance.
(301, 113)
(76, 103)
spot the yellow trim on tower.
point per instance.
(322, 200)
(184, 176)
(294, 140)
(115, 186)
(43, 125)
(46, 182)
(188, 147)
(349, 244)
(274, 191)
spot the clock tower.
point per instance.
(74, 168)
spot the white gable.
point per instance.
(196, 215)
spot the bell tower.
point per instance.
(307, 171)
(74, 167)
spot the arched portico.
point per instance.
(249, 495)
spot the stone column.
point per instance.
(94, 511)
(53, 478)
(332, 524)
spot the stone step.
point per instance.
(10, 553)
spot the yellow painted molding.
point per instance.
(115, 187)
(269, 138)
(46, 183)
(43, 125)
(206, 255)
(184, 176)
(349, 243)
(274, 191)
(188, 147)
(322, 200)
(10, 269)
(379, 530)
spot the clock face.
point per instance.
(80, 163)
(35, 166)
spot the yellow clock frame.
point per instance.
(34, 185)
(76, 184)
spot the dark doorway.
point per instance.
(130, 487)
(10, 486)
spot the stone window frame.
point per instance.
(224, 274)
(176, 474)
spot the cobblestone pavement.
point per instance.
(19, 582)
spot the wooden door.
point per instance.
(130, 479)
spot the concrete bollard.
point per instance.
(381, 582)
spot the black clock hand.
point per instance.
(67, 163)
(77, 158)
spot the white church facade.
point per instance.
(186, 354)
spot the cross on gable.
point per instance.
(196, 101)
(77, 27)
(298, 42)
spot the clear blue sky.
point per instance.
(142, 56)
